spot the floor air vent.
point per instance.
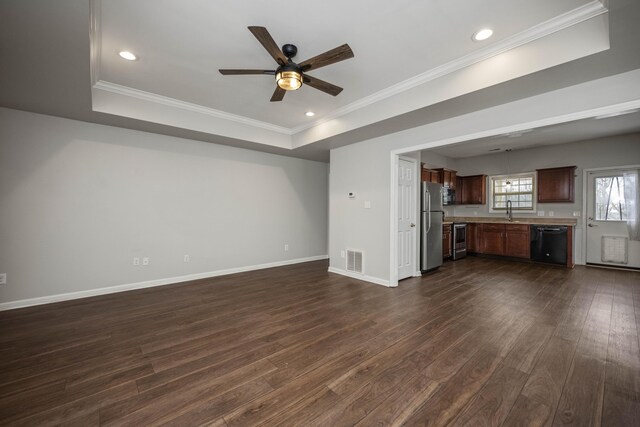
(614, 249)
(354, 261)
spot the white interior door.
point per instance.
(607, 235)
(406, 218)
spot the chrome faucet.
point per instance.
(509, 210)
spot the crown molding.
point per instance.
(172, 102)
(95, 40)
(558, 23)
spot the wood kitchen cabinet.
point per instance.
(492, 239)
(472, 238)
(472, 190)
(447, 177)
(510, 240)
(429, 175)
(446, 241)
(556, 185)
(517, 241)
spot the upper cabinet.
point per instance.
(471, 190)
(556, 185)
(446, 177)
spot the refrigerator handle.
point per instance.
(429, 210)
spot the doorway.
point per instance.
(406, 214)
(611, 195)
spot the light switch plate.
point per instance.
(551, 213)
(3, 278)
(540, 213)
(367, 204)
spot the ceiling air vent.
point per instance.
(354, 261)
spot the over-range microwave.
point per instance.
(448, 196)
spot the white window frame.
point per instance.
(534, 196)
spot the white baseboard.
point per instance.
(417, 274)
(149, 284)
(358, 276)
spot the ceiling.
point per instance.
(47, 63)
(578, 130)
(181, 45)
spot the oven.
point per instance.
(459, 241)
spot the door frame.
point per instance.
(585, 195)
(395, 160)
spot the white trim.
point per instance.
(363, 277)
(585, 173)
(187, 106)
(149, 283)
(558, 23)
(417, 273)
(393, 214)
(95, 40)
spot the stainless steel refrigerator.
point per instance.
(431, 215)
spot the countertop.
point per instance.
(447, 223)
(516, 220)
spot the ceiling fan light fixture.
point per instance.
(289, 80)
(309, 114)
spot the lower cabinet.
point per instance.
(446, 241)
(492, 239)
(472, 238)
(504, 239)
(517, 243)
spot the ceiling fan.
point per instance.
(290, 75)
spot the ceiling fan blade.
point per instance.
(243, 72)
(332, 56)
(278, 94)
(322, 85)
(269, 44)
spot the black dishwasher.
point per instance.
(549, 244)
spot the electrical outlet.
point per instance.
(136, 261)
(367, 204)
(576, 213)
(551, 213)
(187, 258)
(286, 247)
(145, 260)
(342, 254)
(540, 213)
(3, 278)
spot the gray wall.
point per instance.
(78, 201)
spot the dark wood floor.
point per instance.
(479, 342)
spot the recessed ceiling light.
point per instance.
(309, 114)
(127, 55)
(483, 34)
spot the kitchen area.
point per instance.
(537, 196)
(537, 239)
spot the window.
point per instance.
(519, 188)
(610, 201)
